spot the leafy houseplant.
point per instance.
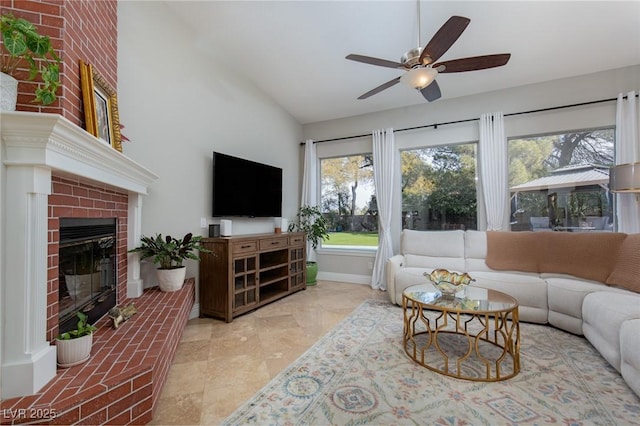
(312, 222)
(169, 253)
(74, 347)
(21, 42)
(83, 329)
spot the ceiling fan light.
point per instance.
(419, 78)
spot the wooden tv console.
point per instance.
(244, 272)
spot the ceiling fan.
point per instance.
(421, 66)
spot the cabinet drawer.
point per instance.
(296, 240)
(274, 243)
(244, 247)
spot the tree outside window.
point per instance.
(560, 181)
(348, 201)
(439, 188)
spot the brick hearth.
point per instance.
(126, 372)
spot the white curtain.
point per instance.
(309, 195)
(627, 151)
(492, 153)
(310, 177)
(383, 160)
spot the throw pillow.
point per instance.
(626, 273)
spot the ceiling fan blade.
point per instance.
(380, 88)
(443, 39)
(431, 92)
(374, 61)
(474, 63)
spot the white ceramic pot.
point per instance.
(171, 279)
(74, 351)
(8, 92)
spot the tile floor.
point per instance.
(218, 366)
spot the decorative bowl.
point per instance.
(449, 283)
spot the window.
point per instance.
(439, 188)
(348, 201)
(560, 181)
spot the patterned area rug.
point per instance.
(360, 374)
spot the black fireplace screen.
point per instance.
(87, 269)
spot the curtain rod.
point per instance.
(435, 125)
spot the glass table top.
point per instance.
(472, 299)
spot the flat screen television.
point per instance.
(245, 188)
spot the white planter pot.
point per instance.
(8, 92)
(171, 279)
(74, 351)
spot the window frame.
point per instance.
(480, 217)
(338, 249)
(611, 128)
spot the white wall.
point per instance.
(570, 91)
(179, 106)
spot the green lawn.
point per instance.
(352, 239)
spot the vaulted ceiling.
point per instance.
(295, 51)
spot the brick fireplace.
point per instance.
(51, 168)
(71, 198)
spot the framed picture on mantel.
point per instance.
(100, 101)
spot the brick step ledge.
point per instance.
(123, 379)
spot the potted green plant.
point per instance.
(74, 347)
(22, 43)
(169, 253)
(312, 222)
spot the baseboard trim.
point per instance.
(195, 311)
(347, 278)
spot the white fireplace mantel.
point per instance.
(33, 146)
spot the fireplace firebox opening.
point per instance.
(87, 269)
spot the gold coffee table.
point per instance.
(473, 336)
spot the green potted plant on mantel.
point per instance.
(169, 253)
(22, 43)
(312, 222)
(74, 347)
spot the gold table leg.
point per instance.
(500, 330)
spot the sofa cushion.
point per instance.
(434, 262)
(603, 313)
(433, 249)
(629, 353)
(566, 295)
(527, 288)
(433, 243)
(475, 251)
(626, 273)
(407, 277)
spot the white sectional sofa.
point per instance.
(585, 283)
